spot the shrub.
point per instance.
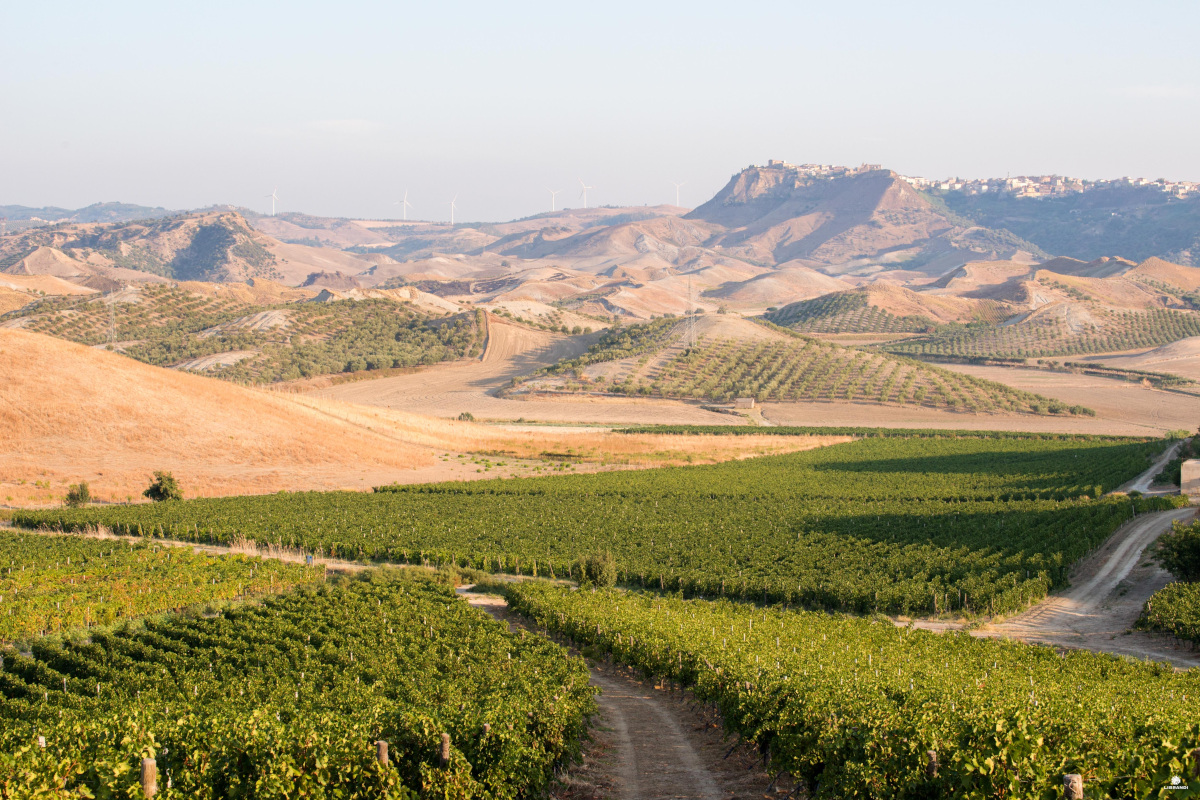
(163, 487)
(466, 416)
(1179, 551)
(78, 494)
(600, 569)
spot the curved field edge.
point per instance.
(910, 526)
(853, 707)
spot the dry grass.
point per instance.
(71, 413)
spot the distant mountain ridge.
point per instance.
(96, 212)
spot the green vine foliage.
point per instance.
(286, 700)
(851, 706)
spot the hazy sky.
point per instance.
(344, 105)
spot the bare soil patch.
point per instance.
(1120, 406)
(447, 390)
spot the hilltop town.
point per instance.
(1017, 186)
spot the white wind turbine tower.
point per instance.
(452, 207)
(553, 194)
(274, 195)
(677, 187)
(404, 205)
(583, 193)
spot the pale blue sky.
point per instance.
(343, 105)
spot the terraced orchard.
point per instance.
(1050, 334)
(844, 312)
(921, 525)
(852, 707)
(172, 327)
(287, 699)
(50, 584)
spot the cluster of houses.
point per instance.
(1049, 185)
(1020, 186)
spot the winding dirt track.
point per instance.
(447, 390)
(1109, 589)
(651, 743)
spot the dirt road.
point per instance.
(447, 390)
(1143, 482)
(1109, 589)
(651, 743)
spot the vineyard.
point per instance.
(791, 368)
(1174, 609)
(288, 698)
(1045, 335)
(56, 583)
(923, 526)
(844, 312)
(169, 326)
(853, 707)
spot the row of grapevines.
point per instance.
(287, 699)
(898, 525)
(1174, 609)
(52, 583)
(852, 706)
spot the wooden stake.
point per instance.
(444, 758)
(931, 766)
(381, 753)
(149, 777)
(1073, 787)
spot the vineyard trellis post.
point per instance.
(149, 777)
(1073, 787)
(444, 756)
(931, 766)
(381, 752)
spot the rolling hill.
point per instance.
(260, 332)
(735, 358)
(69, 412)
(210, 246)
(1136, 222)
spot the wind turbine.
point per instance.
(274, 195)
(404, 204)
(452, 207)
(583, 193)
(677, 185)
(553, 194)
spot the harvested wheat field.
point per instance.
(71, 413)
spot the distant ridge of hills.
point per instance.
(96, 212)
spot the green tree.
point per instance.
(1179, 551)
(78, 494)
(163, 487)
